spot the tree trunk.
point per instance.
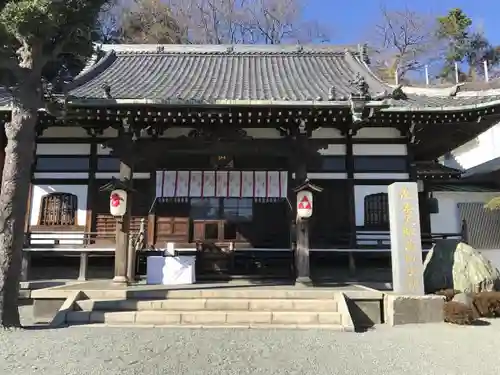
(16, 179)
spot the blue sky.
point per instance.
(349, 21)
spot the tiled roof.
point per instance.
(436, 169)
(481, 225)
(207, 73)
(493, 84)
(211, 73)
(5, 97)
(462, 188)
(219, 74)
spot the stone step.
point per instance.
(212, 304)
(246, 293)
(205, 318)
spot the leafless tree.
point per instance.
(245, 21)
(149, 21)
(109, 22)
(404, 41)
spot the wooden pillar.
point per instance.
(151, 221)
(123, 228)
(25, 266)
(349, 155)
(3, 144)
(302, 251)
(84, 264)
(291, 213)
(302, 267)
(91, 192)
(410, 160)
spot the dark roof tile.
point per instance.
(215, 73)
(461, 188)
(432, 168)
(5, 97)
(209, 73)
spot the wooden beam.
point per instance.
(158, 149)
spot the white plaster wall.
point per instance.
(39, 191)
(379, 149)
(110, 175)
(378, 132)
(61, 175)
(332, 149)
(263, 133)
(101, 150)
(448, 218)
(63, 238)
(483, 148)
(326, 133)
(325, 176)
(62, 149)
(381, 176)
(75, 132)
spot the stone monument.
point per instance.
(406, 244)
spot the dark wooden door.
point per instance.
(329, 226)
(270, 225)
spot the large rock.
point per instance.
(465, 298)
(455, 265)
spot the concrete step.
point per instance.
(207, 318)
(210, 304)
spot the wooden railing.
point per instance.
(364, 239)
(49, 240)
(374, 240)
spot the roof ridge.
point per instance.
(151, 53)
(225, 49)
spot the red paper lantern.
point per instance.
(115, 200)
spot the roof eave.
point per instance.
(461, 108)
(218, 103)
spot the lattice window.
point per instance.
(59, 209)
(377, 211)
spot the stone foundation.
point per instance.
(399, 309)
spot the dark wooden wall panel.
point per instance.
(330, 225)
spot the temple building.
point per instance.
(216, 138)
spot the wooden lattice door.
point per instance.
(59, 209)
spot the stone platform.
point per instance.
(247, 304)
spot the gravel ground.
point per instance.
(439, 349)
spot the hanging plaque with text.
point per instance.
(406, 244)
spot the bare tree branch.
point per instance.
(245, 21)
(404, 41)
